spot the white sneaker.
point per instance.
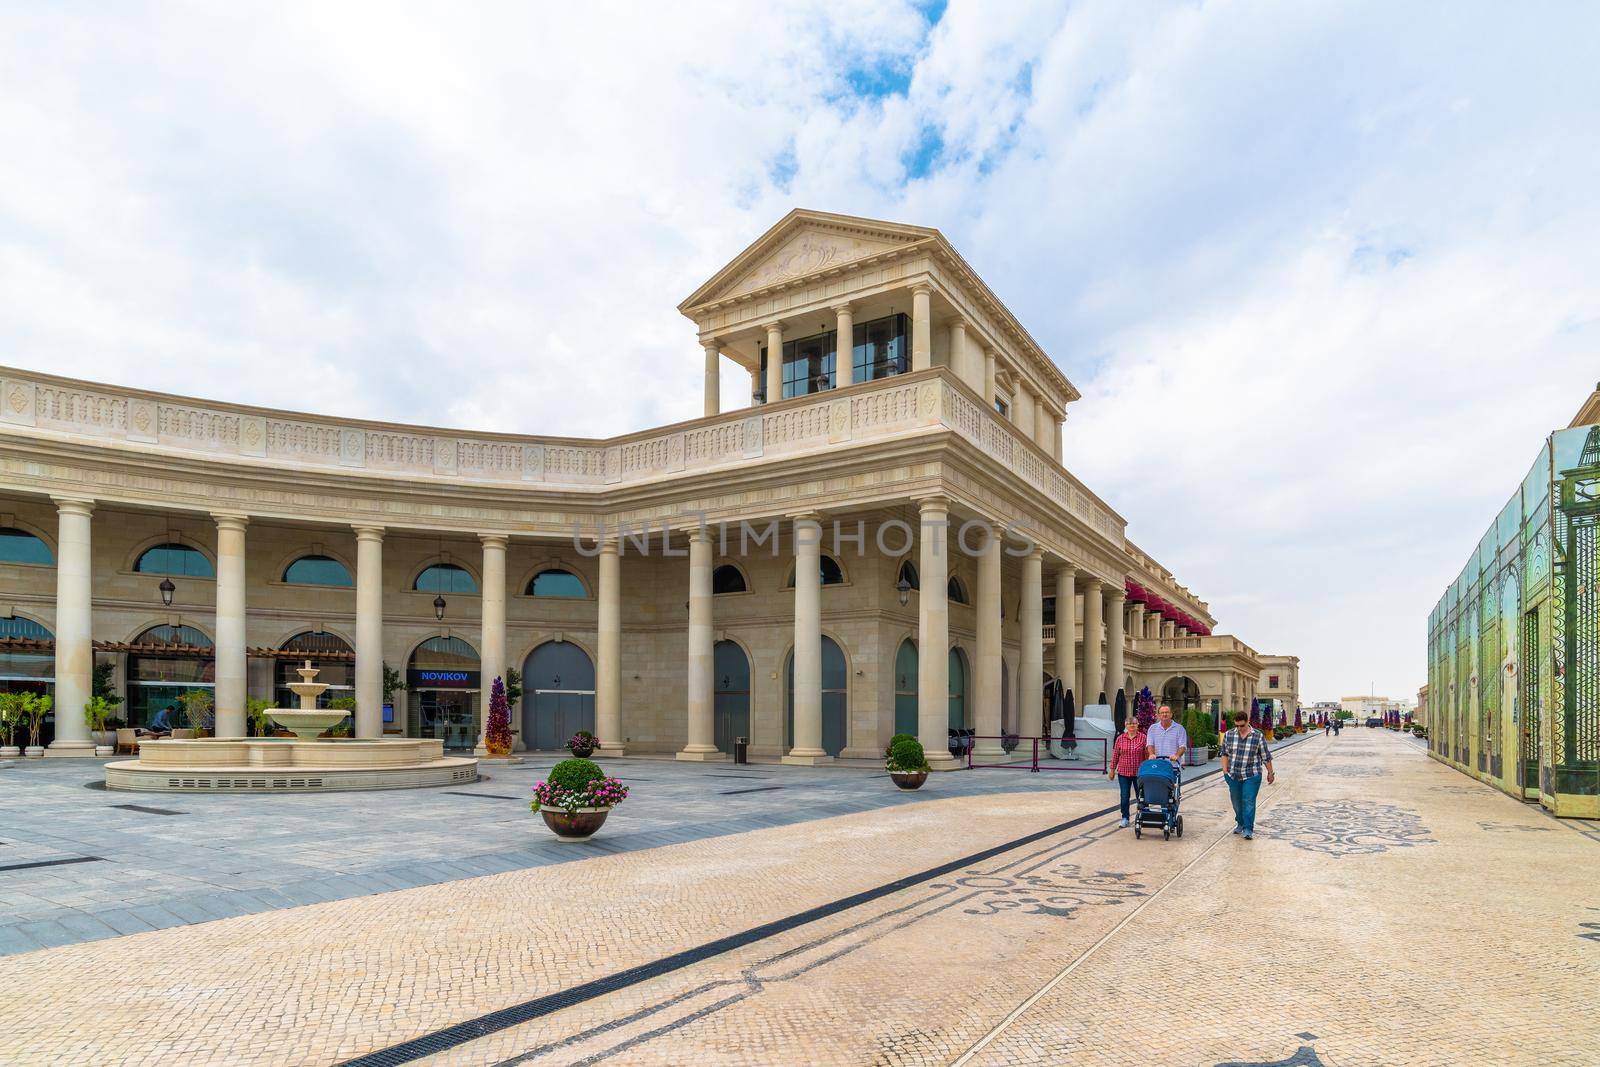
(1124, 824)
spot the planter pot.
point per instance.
(909, 780)
(104, 751)
(578, 826)
(581, 753)
(34, 752)
(9, 751)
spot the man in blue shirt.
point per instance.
(162, 723)
(1244, 754)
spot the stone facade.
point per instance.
(101, 474)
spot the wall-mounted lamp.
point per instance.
(904, 586)
(167, 589)
(438, 608)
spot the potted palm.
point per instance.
(34, 709)
(576, 799)
(95, 714)
(197, 710)
(255, 715)
(907, 764)
(10, 719)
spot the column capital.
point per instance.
(922, 288)
(775, 326)
(1114, 592)
(365, 532)
(933, 502)
(844, 306)
(494, 540)
(1067, 568)
(229, 520)
(609, 547)
(698, 533)
(1090, 582)
(712, 344)
(73, 505)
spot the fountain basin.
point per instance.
(277, 765)
(306, 723)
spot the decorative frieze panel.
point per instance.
(95, 412)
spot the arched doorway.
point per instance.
(1180, 693)
(558, 695)
(905, 688)
(442, 680)
(158, 677)
(337, 672)
(835, 698)
(732, 696)
(958, 690)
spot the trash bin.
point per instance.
(741, 747)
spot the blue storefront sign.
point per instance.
(441, 679)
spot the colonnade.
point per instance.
(973, 361)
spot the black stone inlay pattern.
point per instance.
(486, 796)
(148, 811)
(52, 863)
(757, 789)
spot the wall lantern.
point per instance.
(438, 608)
(904, 587)
(167, 589)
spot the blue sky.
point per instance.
(1324, 272)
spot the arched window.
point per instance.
(555, 582)
(727, 579)
(175, 559)
(317, 570)
(329, 653)
(957, 592)
(908, 574)
(445, 578)
(157, 678)
(20, 546)
(832, 573)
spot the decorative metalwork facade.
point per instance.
(1514, 642)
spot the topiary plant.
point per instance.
(497, 729)
(895, 740)
(578, 783)
(906, 756)
(575, 773)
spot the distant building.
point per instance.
(1280, 681)
(1363, 706)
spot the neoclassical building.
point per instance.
(814, 572)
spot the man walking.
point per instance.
(1244, 753)
(1166, 739)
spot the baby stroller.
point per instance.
(1158, 785)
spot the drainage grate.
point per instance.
(148, 811)
(52, 863)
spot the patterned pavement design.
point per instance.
(1370, 922)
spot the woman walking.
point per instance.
(1126, 755)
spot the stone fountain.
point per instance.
(303, 763)
(307, 721)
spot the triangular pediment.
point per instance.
(804, 243)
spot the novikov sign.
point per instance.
(441, 679)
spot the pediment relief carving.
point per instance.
(811, 250)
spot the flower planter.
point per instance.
(909, 780)
(9, 751)
(579, 825)
(34, 752)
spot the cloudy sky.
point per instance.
(1324, 272)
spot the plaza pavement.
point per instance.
(1391, 911)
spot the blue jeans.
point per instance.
(1125, 784)
(1243, 793)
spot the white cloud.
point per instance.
(1322, 271)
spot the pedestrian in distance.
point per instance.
(1327, 727)
(1244, 755)
(1126, 755)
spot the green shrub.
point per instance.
(895, 740)
(906, 756)
(575, 774)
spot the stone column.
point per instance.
(1059, 451)
(958, 351)
(989, 395)
(987, 671)
(369, 632)
(921, 330)
(1136, 620)
(1022, 410)
(713, 377)
(228, 703)
(701, 685)
(1152, 625)
(844, 347)
(1114, 641)
(807, 749)
(74, 628)
(1067, 629)
(1168, 628)
(608, 646)
(774, 362)
(933, 633)
(1030, 664)
(493, 659)
(1093, 634)
(1044, 427)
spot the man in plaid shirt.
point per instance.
(1244, 753)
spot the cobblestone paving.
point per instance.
(1442, 933)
